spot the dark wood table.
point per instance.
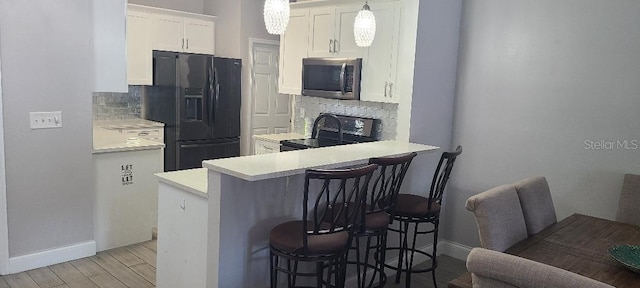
(578, 244)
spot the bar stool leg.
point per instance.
(434, 262)
(274, 273)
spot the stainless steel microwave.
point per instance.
(336, 78)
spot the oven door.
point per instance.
(331, 78)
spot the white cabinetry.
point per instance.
(182, 237)
(270, 143)
(293, 47)
(150, 28)
(331, 32)
(266, 147)
(380, 60)
(110, 69)
(182, 34)
(139, 56)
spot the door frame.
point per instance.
(249, 117)
(4, 229)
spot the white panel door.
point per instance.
(321, 36)
(346, 46)
(271, 111)
(167, 33)
(139, 57)
(198, 36)
(293, 47)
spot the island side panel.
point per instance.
(243, 212)
(182, 238)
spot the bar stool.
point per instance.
(415, 210)
(324, 234)
(379, 205)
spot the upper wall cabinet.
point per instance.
(293, 47)
(110, 67)
(139, 55)
(331, 32)
(183, 34)
(326, 30)
(151, 29)
(380, 60)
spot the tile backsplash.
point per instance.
(313, 106)
(117, 106)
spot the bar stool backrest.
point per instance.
(326, 188)
(441, 176)
(386, 182)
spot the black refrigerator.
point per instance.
(197, 97)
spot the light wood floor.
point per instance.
(135, 267)
(131, 266)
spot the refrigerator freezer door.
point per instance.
(226, 98)
(192, 153)
(194, 96)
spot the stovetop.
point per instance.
(355, 130)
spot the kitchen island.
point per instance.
(245, 197)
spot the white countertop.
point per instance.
(274, 165)
(127, 123)
(107, 141)
(276, 138)
(192, 180)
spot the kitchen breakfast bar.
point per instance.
(214, 222)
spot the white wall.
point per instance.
(237, 22)
(537, 79)
(194, 6)
(46, 56)
(433, 87)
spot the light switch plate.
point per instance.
(45, 120)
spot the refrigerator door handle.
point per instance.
(210, 80)
(217, 90)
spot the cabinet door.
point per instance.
(110, 47)
(198, 36)
(381, 57)
(293, 47)
(321, 33)
(346, 46)
(139, 58)
(167, 33)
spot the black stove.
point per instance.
(354, 130)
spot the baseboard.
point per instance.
(51, 257)
(445, 247)
(453, 249)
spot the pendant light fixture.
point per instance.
(364, 27)
(276, 16)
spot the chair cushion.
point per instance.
(287, 237)
(629, 202)
(537, 205)
(377, 220)
(410, 205)
(499, 217)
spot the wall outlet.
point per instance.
(45, 120)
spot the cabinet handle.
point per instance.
(386, 85)
(335, 43)
(390, 89)
(330, 45)
(182, 43)
(187, 44)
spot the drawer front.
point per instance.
(153, 134)
(264, 147)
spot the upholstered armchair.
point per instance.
(492, 269)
